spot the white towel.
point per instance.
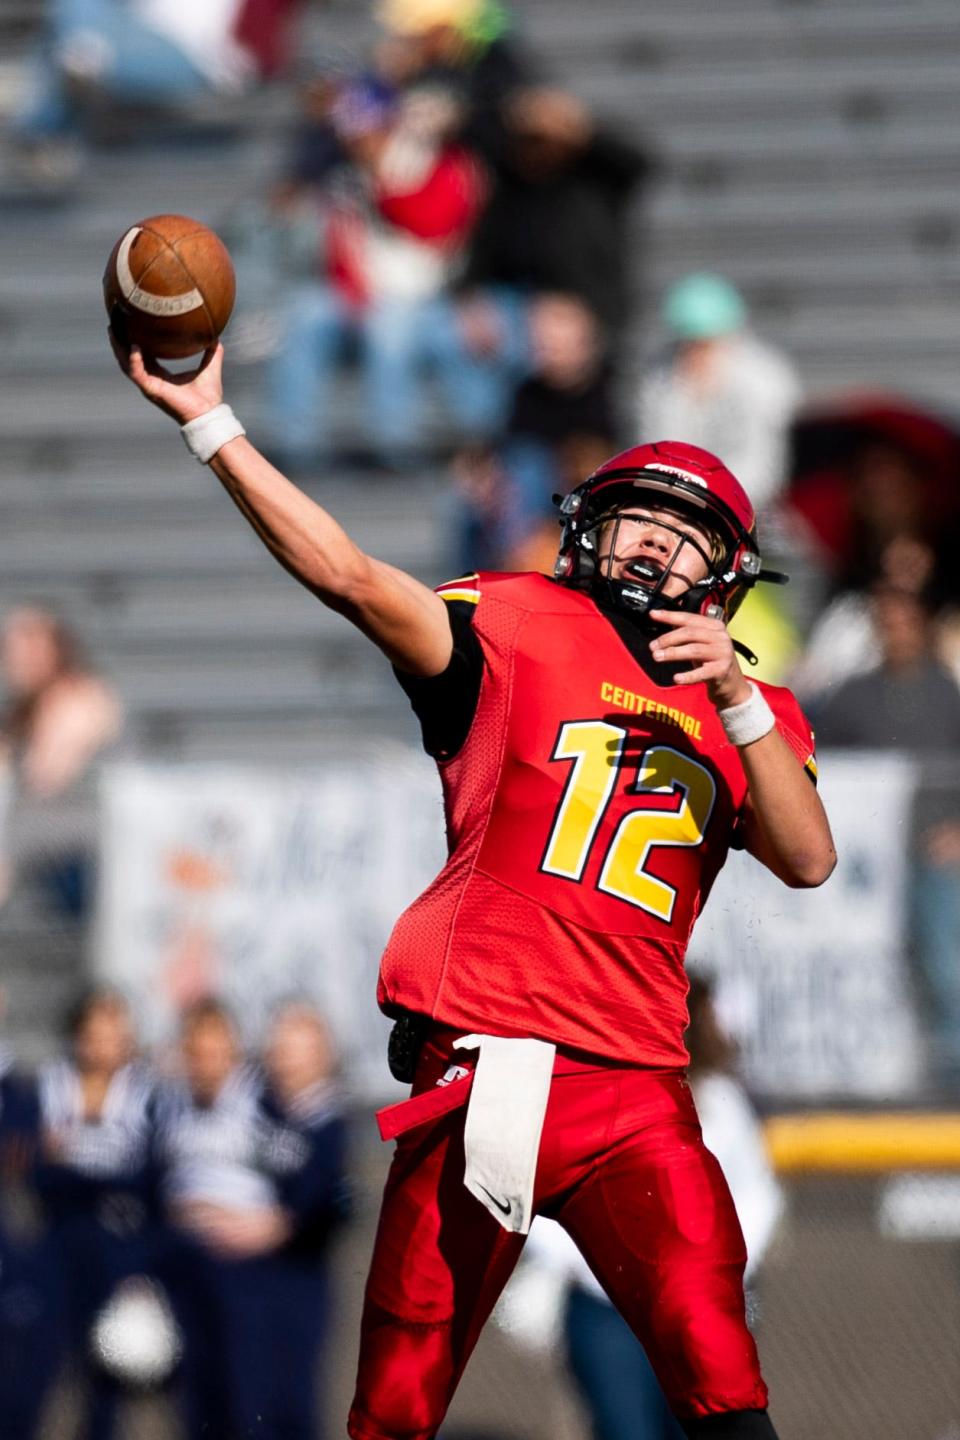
(508, 1101)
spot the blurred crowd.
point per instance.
(166, 1224)
(458, 226)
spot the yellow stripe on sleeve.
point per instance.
(472, 597)
(460, 589)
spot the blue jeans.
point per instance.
(936, 932)
(398, 341)
(533, 478)
(613, 1373)
(128, 62)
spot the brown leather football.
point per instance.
(169, 286)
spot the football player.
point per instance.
(600, 750)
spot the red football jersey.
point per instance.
(588, 813)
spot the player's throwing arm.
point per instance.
(403, 617)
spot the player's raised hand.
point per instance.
(704, 643)
(182, 396)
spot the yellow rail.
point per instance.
(897, 1140)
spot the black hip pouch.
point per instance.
(405, 1043)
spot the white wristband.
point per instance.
(207, 434)
(747, 722)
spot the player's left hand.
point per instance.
(705, 644)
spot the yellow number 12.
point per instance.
(596, 749)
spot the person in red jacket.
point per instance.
(600, 750)
(395, 210)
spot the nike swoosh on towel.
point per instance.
(504, 1209)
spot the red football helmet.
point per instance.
(674, 476)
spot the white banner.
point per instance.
(258, 885)
(812, 982)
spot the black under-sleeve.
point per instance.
(445, 704)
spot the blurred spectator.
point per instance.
(466, 48)
(867, 471)
(147, 52)
(555, 1295)
(844, 642)
(394, 217)
(731, 1126)
(305, 1104)
(910, 702)
(721, 387)
(59, 720)
(18, 1123)
(251, 1191)
(885, 490)
(276, 237)
(92, 1180)
(560, 428)
(556, 221)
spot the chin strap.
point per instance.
(611, 594)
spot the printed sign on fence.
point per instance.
(260, 885)
(813, 982)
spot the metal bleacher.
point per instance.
(807, 149)
(215, 652)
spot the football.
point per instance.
(169, 286)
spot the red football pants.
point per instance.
(624, 1169)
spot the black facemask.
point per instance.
(640, 588)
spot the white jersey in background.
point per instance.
(214, 1153)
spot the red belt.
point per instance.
(430, 1104)
(394, 1120)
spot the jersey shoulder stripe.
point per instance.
(465, 589)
